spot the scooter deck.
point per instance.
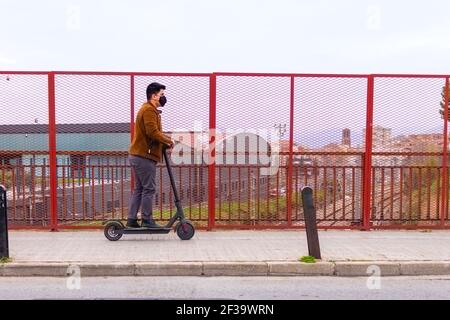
(143, 230)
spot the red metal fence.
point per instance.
(372, 147)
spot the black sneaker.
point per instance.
(132, 223)
(150, 224)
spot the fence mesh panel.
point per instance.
(24, 147)
(329, 140)
(408, 141)
(253, 114)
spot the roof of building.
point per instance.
(66, 128)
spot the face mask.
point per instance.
(162, 101)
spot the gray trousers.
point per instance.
(144, 171)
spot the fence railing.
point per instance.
(374, 148)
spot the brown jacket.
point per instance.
(148, 137)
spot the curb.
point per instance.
(300, 269)
(367, 268)
(211, 269)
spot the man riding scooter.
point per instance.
(145, 152)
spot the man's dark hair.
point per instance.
(154, 88)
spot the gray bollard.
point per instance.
(311, 223)
(4, 248)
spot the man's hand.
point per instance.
(170, 145)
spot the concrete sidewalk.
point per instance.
(228, 253)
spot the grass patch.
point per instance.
(307, 259)
(4, 260)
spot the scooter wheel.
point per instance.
(185, 231)
(111, 229)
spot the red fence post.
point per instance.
(212, 153)
(132, 123)
(291, 147)
(52, 152)
(132, 106)
(367, 169)
(444, 196)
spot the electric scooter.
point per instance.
(115, 229)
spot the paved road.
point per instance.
(252, 288)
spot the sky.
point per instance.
(284, 36)
(321, 36)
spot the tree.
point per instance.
(443, 102)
